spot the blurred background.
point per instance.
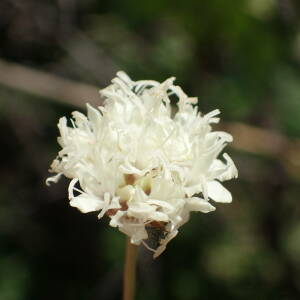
(242, 57)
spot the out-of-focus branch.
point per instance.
(256, 140)
(48, 86)
(82, 50)
(267, 142)
(246, 138)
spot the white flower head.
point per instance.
(134, 162)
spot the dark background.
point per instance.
(242, 57)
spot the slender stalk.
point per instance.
(129, 270)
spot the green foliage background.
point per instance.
(242, 57)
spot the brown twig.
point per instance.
(46, 85)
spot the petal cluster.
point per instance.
(141, 164)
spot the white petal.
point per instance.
(105, 205)
(217, 192)
(86, 203)
(63, 128)
(231, 171)
(115, 219)
(140, 210)
(71, 188)
(122, 75)
(93, 115)
(138, 234)
(198, 204)
(54, 179)
(115, 203)
(159, 216)
(163, 204)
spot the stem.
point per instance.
(129, 270)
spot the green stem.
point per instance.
(129, 270)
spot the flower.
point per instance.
(134, 162)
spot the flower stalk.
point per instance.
(129, 270)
